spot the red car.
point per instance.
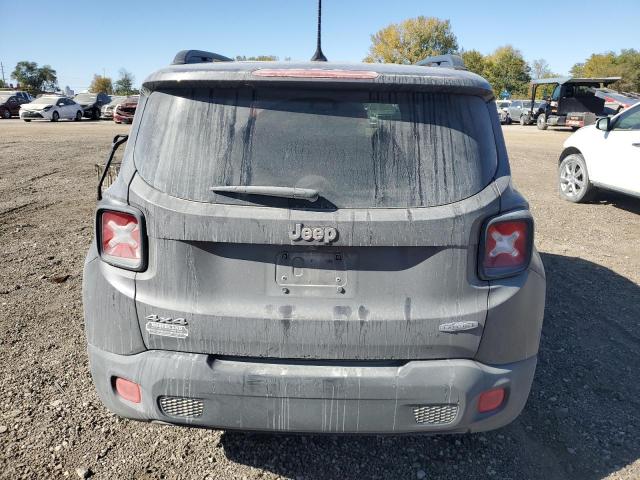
(125, 111)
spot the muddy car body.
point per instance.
(314, 247)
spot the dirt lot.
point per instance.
(581, 422)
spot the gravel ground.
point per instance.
(581, 421)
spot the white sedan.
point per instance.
(51, 107)
(605, 155)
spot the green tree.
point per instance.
(35, 79)
(101, 84)
(124, 85)
(626, 64)
(506, 70)
(577, 70)
(601, 65)
(474, 61)
(629, 62)
(412, 40)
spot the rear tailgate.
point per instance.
(382, 290)
(404, 179)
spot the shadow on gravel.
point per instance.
(581, 420)
(618, 200)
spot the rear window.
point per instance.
(359, 149)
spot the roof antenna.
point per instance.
(319, 56)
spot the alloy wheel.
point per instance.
(572, 179)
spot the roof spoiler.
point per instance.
(198, 56)
(446, 61)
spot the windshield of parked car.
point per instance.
(504, 104)
(358, 148)
(46, 100)
(85, 98)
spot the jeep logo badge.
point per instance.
(313, 234)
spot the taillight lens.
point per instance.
(506, 246)
(121, 239)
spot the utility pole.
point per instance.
(2, 68)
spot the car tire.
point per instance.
(78, 116)
(95, 115)
(508, 121)
(26, 120)
(6, 114)
(55, 116)
(573, 179)
(542, 122)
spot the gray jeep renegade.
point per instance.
(314, 247)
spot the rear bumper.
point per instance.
(298, 396)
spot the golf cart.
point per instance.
(573, 102)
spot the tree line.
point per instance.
(36, 80)
(505, 68)
(122, 86)
(407, 42)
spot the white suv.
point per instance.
(605, 155)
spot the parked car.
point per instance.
(315, 247)
(10, 105)
(25, 96)
(573, 102)
(125, 111)
(106, 112)
(605, 155)
(503, 114)
(519, 109)
(92, 103)
(51, 107)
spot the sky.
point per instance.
(82, 38)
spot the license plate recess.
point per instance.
(311, 269)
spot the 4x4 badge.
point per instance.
(313, 234)
(166, 326)
(458, 326)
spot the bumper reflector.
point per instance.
(128, 390)
(490, 400)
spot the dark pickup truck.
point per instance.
(573, 103)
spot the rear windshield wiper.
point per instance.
(308, 194)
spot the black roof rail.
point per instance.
(446, 61)
(198, 56)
